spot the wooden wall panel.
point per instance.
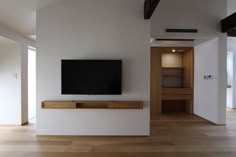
(173, 106)
(188, 65)
(189, 106)
(188, 79)
(155, 99)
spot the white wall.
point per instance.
(10, 83)
(210, 95)
(205, 91)
(188, 14)
(13, 82)
(88, 29)
(14, 36)
(192, 14)
(171, 60)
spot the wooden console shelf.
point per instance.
(176, 91)
(177, 94)
(92, 104)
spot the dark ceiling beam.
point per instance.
(149, 8)
(228, 24)
(231, 33)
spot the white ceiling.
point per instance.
(46, 3)
(6, 41)
(20, 15)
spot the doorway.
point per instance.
(229, 101)
(31, 83)
(231, 77)
(230, 107)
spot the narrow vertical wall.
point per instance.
(222, 81)
(210, 94)
(205, 91)
(24, 84)
(13, 82)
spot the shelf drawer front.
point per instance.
(177, 91)
(59, 104)
(177, 97)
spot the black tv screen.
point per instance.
(100, 77)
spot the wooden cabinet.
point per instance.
(171, 80)
(92, 104)
(177, 94)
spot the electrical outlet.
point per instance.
(14, 75)
(209, 77)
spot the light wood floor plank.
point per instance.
(172, 135)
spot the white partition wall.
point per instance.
(206, 63)
(13, 106)
(88, 29)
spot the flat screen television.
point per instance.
(95, 77)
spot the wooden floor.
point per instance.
(171, 136)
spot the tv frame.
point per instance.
(92, 93)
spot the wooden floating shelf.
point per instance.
(59, 104)
(176, 91)
(177, 94)
(92, 104)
